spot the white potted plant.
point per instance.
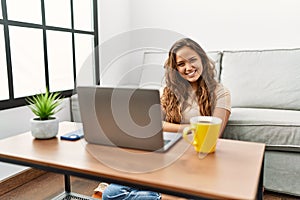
(44, 106)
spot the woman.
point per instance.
(191, 90)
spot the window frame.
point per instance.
(13, 102)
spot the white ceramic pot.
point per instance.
(44, 129)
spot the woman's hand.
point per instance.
(171, 127)
(223, 114)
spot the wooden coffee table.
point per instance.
(234, 171)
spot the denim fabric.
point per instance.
(120, 192)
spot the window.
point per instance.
(84, 59)
(46, 43)
(3, 69)
(27, 60)
(60, 63)
(1, 16)
(83, 18)
(24, 11)
(58, 15)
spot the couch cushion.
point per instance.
(276, 128)
(123, 70)
(75, 111)
(216, 57)
(152, 75)
(263, 79)
(281, 172)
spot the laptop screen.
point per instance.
(124, 117)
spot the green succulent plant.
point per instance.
(45, 105)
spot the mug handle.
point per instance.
(186, 131)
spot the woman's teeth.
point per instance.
(192, 73)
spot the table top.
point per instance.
(232, 172)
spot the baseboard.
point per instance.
(19, 179)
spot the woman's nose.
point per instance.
(189, 66)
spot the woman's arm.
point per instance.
(171, 127)
(224, 115)
(219, 112)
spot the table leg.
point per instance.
(67, 183)
(260, 192)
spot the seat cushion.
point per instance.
(281, 172)
(276, 128)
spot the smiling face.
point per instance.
(189, 65)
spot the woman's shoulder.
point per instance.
(221, 89)
(223, 97)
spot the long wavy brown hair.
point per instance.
(176, 92)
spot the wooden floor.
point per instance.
(50, 185)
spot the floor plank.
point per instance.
(49, 185)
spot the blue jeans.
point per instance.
(120, 192)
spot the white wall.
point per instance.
(114, 17)
(224, 24)
(215, 24)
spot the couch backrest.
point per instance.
(152, 74)
(263, 79)
(125, 70)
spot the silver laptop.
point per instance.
(124, 117)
